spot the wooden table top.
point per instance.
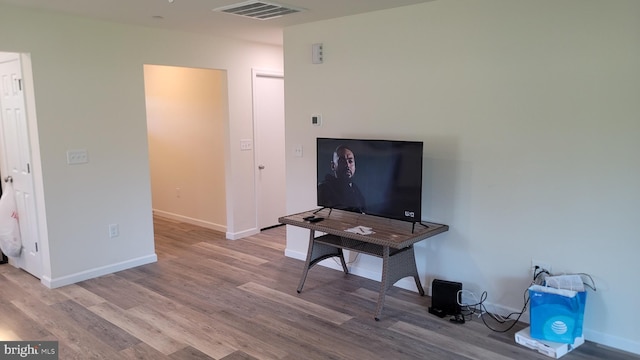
(387, 232)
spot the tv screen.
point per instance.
(376, 177)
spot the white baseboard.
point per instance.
(189, 220)
(241, 234)
(208, 225)
(295, 254)
(96, 272)
(612, 341)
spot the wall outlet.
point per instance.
(541, 265)
(114, 230)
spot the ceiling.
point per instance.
(197, 16)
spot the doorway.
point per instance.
(187, 113)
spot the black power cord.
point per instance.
(538, 278)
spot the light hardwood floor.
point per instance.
(211, 298)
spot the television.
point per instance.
(375, 177)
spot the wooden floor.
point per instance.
(211, 298)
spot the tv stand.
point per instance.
(413, 227)
(322, 208)
(392, 241)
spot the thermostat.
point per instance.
(316, 120)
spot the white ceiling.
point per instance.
(197, 15)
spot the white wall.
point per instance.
(89, 90)
(529, 115)
(186, 117)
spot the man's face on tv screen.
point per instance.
(344, 164)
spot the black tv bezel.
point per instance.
(417, 217)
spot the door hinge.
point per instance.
(19, 84)
(28, 168)
(36, 247)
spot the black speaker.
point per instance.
(445, 298)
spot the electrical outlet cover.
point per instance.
(541, 264)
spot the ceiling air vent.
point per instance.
(257, 10)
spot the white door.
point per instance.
(268, 113)
(17, 159)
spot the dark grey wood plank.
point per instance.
(100, 328)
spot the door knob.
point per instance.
(260, 167)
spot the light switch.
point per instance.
(246, 144)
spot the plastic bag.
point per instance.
(10, 242)
(556, 314)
